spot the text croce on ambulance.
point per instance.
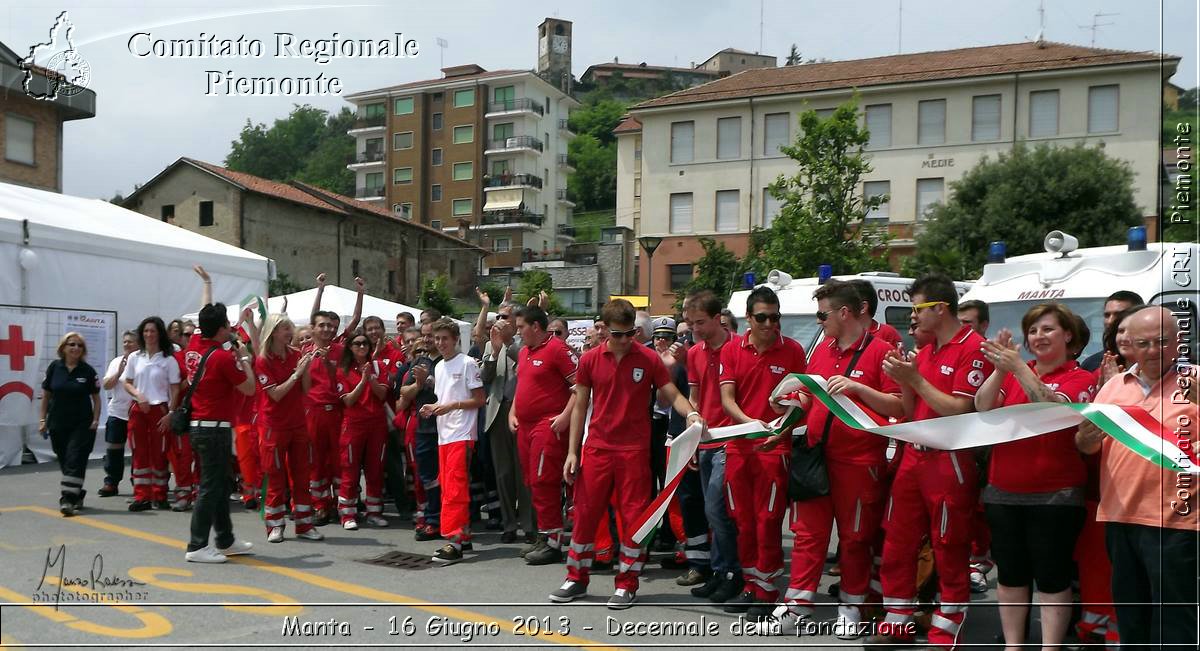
(1161, 273)
(799, 308)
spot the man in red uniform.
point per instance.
(541, 418)
(756, 471)
(851, 359)
(934, 492)
(870, 303)
(975, 314)
(623, 376)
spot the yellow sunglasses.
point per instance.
(920, 306)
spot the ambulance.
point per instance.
(1161, 273)
(799, 308)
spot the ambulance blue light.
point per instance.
(824, 273)
(997, 252)
(748, 280)
(1137, 238)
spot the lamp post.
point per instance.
(649, 244)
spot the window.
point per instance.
(464, 171)
(824, 114)
(985, 117)
(403, 209)
(437, 98)
(771, 207)
(374, 180)
(462, 207)
(501, 167)
(402, 140)
(502, 245)
(167, 212)
(502, 131)
(637, 149)
(637, 187)
(465, 97)
(206, 213)
(391, 281)
(681, 212)
(682, 135)
(929, 192)
(402, 175)
(879, 123)
(504, 95)
(402, 106)
(355, 268)
(435, 157)
(729, 137)
(931, 122)
(1102, 109)
(878, 189)
(435, 224)
(727, 211)
(371, 111)
(464, 133)
(18, 139)
(437, 121)
(372, 147)
(435, 192)
(575, 300)
(1043, 113)
(681, 275)
(775, 132)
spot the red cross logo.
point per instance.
(16, 347)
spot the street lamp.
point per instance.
(649, 244)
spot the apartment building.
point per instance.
(698, 162)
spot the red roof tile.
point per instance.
(265, 186)
(902, 68)
(628, 125)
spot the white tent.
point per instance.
(74, 259)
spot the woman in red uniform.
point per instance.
(1035, 498)
(152, 378)
(285, 449)
(362, 385)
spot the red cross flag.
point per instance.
(20, 345)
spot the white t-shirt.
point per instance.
(119, 400)
(152, 376)
(454, 380)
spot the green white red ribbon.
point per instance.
(1132, 427)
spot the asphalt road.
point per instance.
(143, 593)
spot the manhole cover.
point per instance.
(402, 561)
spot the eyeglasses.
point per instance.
(73, 344)
(622, 333)
(558, 333)
(822, 316)
(917, 307)
(664, 336)
(504, 316)
(1147, 344)
(763, 317)
(356, 344)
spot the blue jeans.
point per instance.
(115, 433)
(426, 448)
(724, 556)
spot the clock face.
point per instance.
(560, 44)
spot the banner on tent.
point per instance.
(20, 336)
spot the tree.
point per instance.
(435, 293)
(820, 218)
(598, 119)
(793, 57)
(308, 145)
(494, 291)
(594, 183)
(533, 283)
(1189, 99)
(1021, 196)
(718, 271)
(326, 166)
(283, 284)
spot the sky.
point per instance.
(152, 110)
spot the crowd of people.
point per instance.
(329, 422)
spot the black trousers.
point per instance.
(1153, 566)
(212, 446)
(72, 443)
(115, 433)
(394, 470)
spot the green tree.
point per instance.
(718, 271)
(435, 293)
(533, 283)
(326, 166)
(1019, 197)
(307, 145)
(598, 119)
(820, 218)
(283, 284)
(594, 184)
(793, 57)
(494, 291)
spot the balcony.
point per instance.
(510, 180)
(364, 124)
(512, 107)
(565, 127)
(511, 218)
(564, 230)
(365, 159)
(564, 197)
(565, 163)
(515, 144)
(370, 194)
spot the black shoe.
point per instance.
(544, 555)
(705, 590)
(740, 603)
(107, 490)
(731, 586)
(448, 554)
(426, 533)
(66, 508)
(139, 505)
(251, 504)
(162, 505)
(760, 611)
(508, 537)
(532, 545)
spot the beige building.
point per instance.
(306, 230)
(732, 61)
(697, 162)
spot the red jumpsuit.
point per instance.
(248, 427)
(324, 416)
(178, 451)
(935, 493)
(362, 444)
(285, 444)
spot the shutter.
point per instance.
(727, 211)
(874, 189)
(879, 123)
(1043, 113)
(929, 192)
(931, 122)
(1102, 109)
(681, 141)
(729, 137)
(771, 207)
(18, 144)
(681, 212)
(985, 118)
(775, 133)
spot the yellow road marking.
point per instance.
(345, 587)
(153, 624)
(8, 642)
(151, 576)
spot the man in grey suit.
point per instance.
(499, 375)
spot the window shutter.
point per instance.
(931, 122)
(1102, 109)
(681, 212)
(729, 137)
(682, 137)
(775, 133)
(879, 123)
(727, 211)
(1043, 113)
(985, 117)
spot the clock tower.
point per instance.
(554, 53)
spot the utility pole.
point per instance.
(442, 45)
(1096, 25)
(760, 26)
(900, 28)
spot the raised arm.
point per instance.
(316, 306)
(206, 295)
(479, 333)
(361, 286)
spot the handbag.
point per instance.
(808, 475)
(181, 418)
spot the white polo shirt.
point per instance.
(152, 376)
(119, 400)
(453, 381)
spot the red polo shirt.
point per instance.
(368, 409)
(957, 368)
(846, 443)
(389, 358)
(288, 412)
(754, 376)
(621, 395)
(1050, 462)
(887, 333)
(323, 373)
(215, 397)
(704, 376)
(545, 376)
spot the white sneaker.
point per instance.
(377, 521)
(781, 622)
(846, 626)
(276, 535)
(350, 525)
(311, 534)
(238, 548)
(205, 555)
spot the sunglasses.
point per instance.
(357, 344)
(558, 333)
(917, 307)
(763, 317)
(618, 334)
(504, 316)
(664, 336)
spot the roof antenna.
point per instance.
(1096, 25)
(1040, 41)
(900, 28)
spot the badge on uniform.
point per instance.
(637, 374)
(978, 363)
(777, 370)
(535, 362)
(975, 378)
(262, 379)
